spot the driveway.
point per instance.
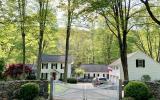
(86, 91)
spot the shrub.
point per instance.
(15, 71)
(72, 80)
(128, 98)
(137, 90)
(152, 99)
(146, 78)
(31, 77)
(28, 91)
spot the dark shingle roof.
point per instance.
(94, 67)
(55, 58)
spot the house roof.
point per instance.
(94, 67)
(56, 58)
(118, 61)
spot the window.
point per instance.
(98, 75)
(84, 76)
(140, 63)
(107, 76)
(94, 75)
(51, 66)
(54, 65)
(41, 75)
(88, 75)
(61, 66)
(44, 65)
(103, 75)
(44, 76)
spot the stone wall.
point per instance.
(154, 89)
(8, 88)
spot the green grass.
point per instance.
(58, 88)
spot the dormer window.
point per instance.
(140, 63)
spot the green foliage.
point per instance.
(79, 71)
(2, 64)
(128, 98)
(28, 91)
(137, 90)
(72, 80)
(31, 77)
(152, 99)
(146, 78)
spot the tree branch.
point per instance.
(145, 2)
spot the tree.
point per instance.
(146, 3)
(79, 72)
(22, 7)
(43, 11)
(116, 14)
(71, 6)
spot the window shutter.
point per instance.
(42, 65)
(46, 75)
(136, 63)
(51, 66)
(56, 65)
(61, 66)
(47, 66)
(41, 75)
(143, 63)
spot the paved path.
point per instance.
(86, 91)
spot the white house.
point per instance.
(95, 70)
(139, 64)
(53, 66)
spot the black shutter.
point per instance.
(42, 65)
(61, 66)
(46, 75)
(136, 63)
(56, 65)
(41, 75)
(143, 63)
(47, 66)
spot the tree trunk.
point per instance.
(123, 53)
(67, 42)
(22, 5)
(42, 14)
(39, 55)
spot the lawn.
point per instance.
(58, 88)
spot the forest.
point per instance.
(98, 31)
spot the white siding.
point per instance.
(58, 70)
(152, 68)
(96, 74)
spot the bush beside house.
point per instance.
(137, 90)
(72, 80)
